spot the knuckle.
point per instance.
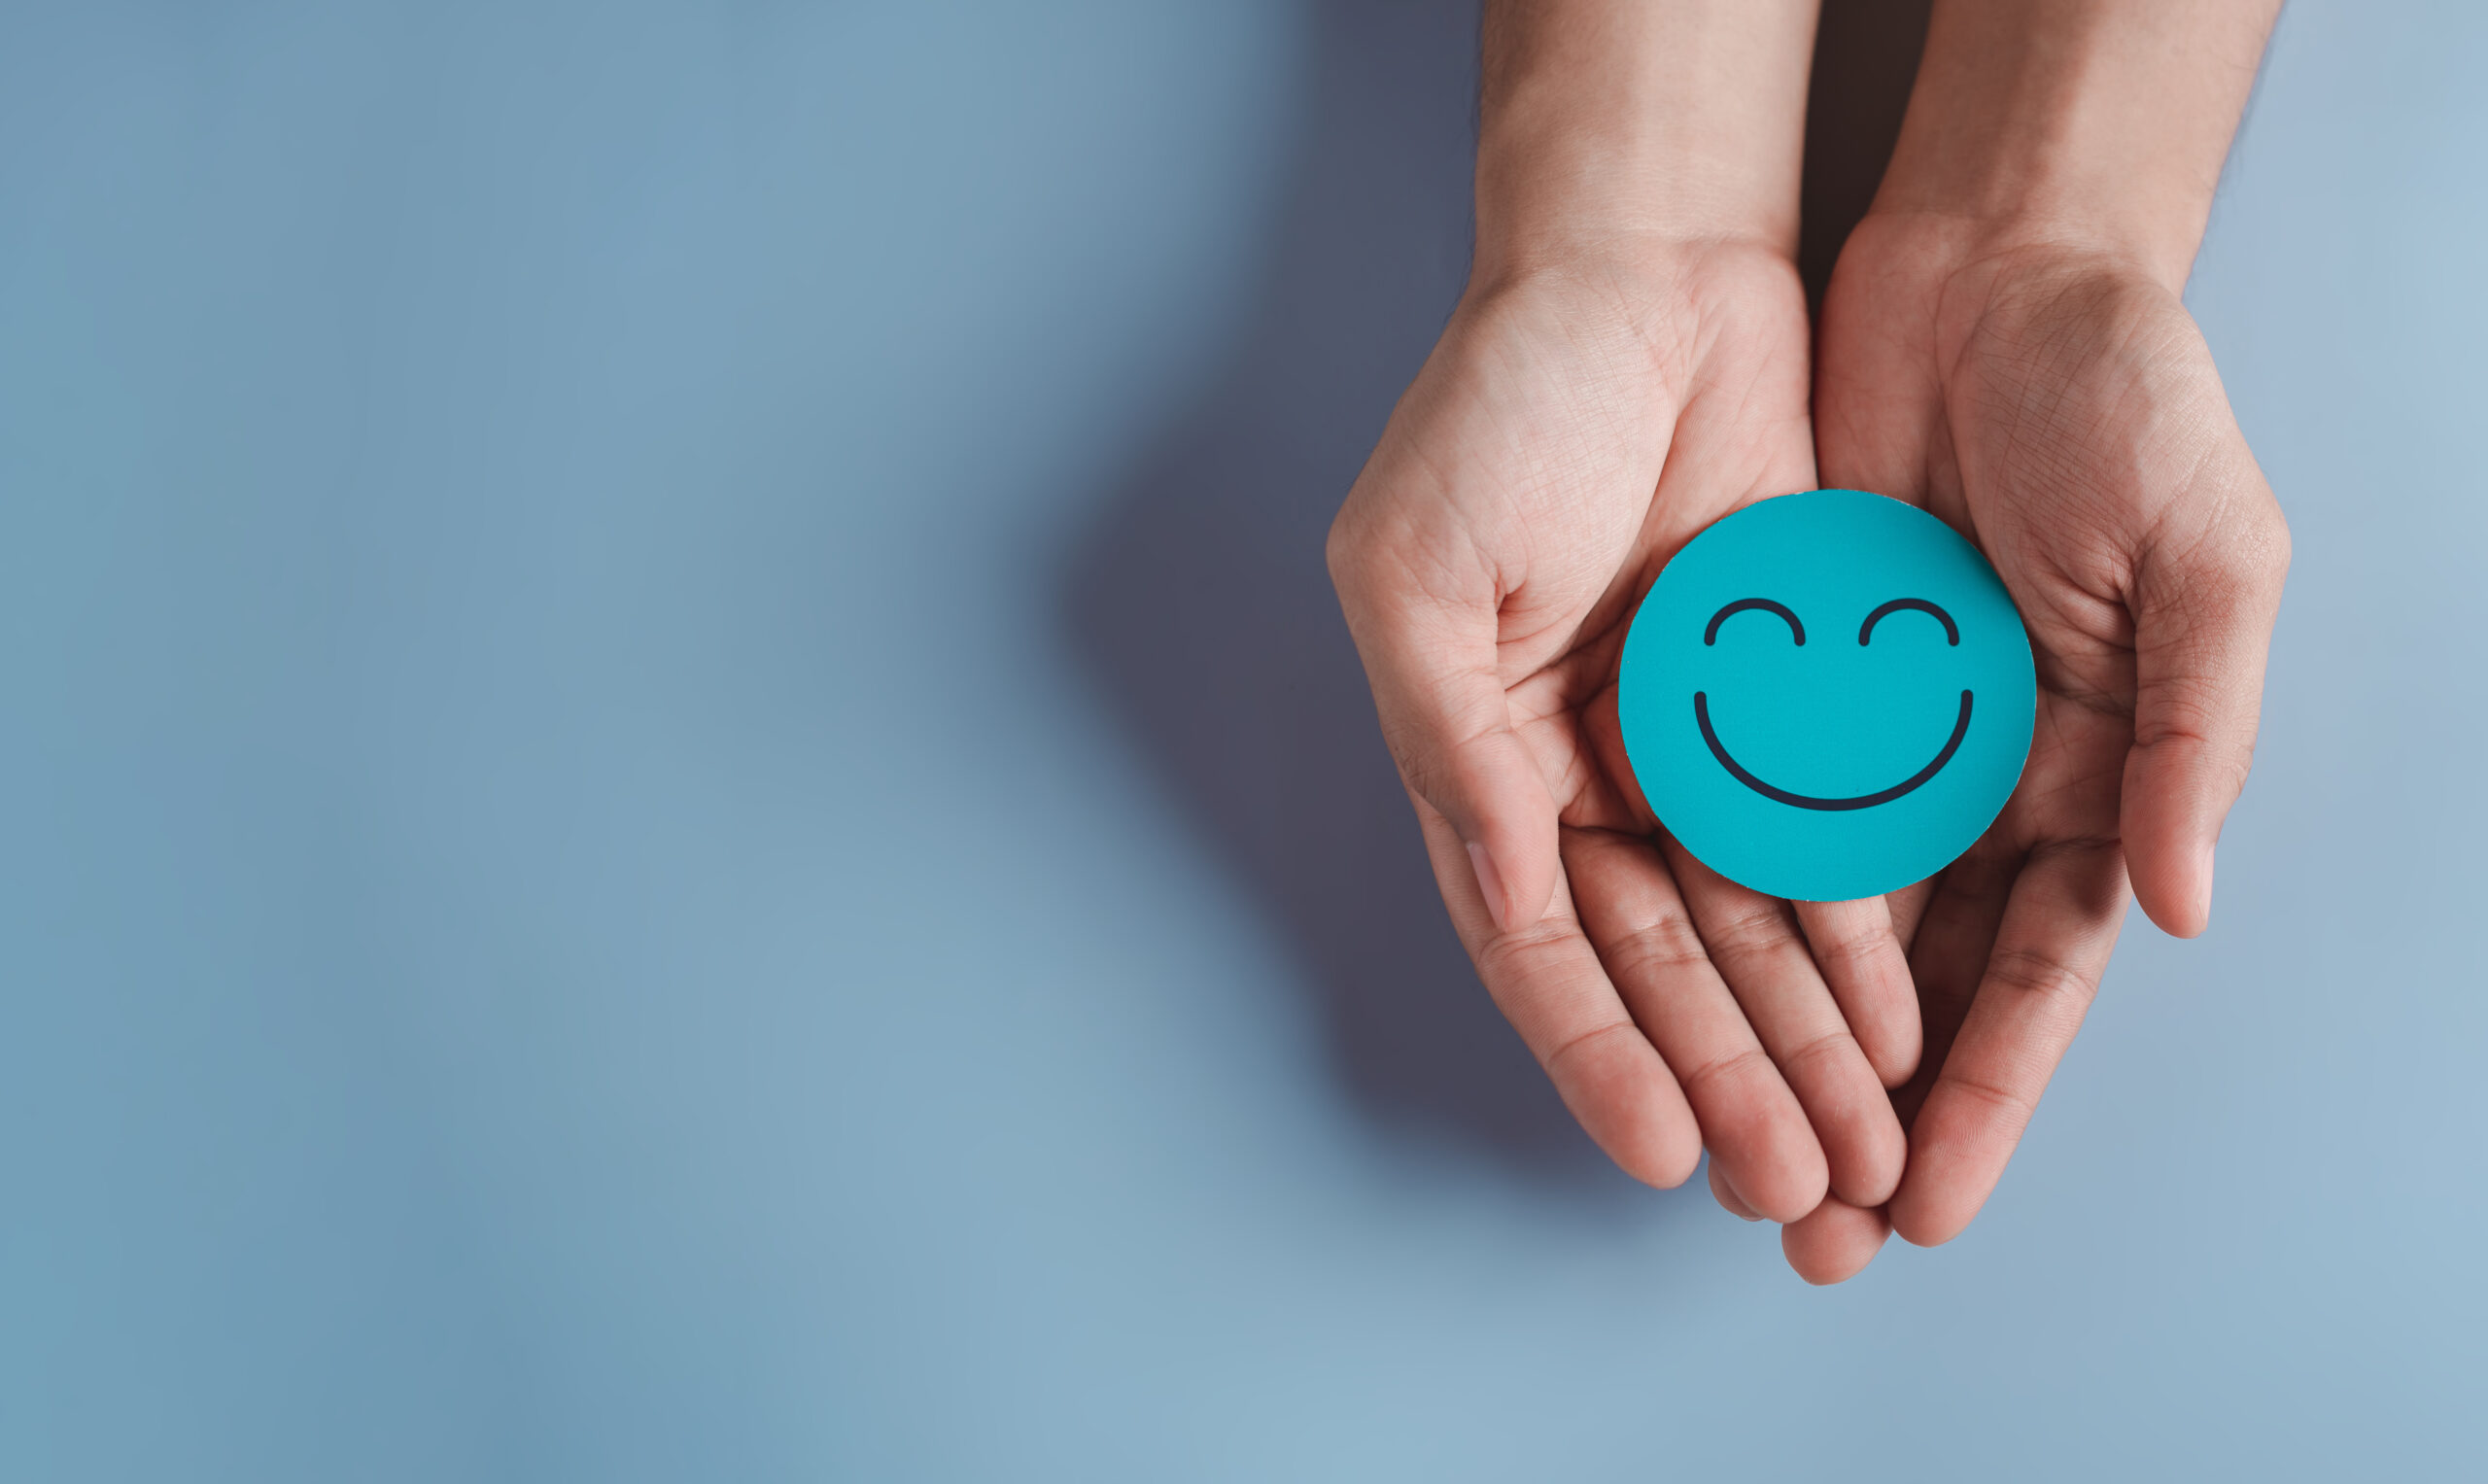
(2015, 1105)
(1514, 957)
(1343, 549)
(1707, 1077)
(1848, 951)
(2276, 539)
(2026, 971)
(1831, 1046)
(1418, 768)
(2179, 713)
(1426, 558)
(1656, 949)
(1573, 1044)
(1747, 929)
(1432, 756)
(1348, 551)
(2237, 766)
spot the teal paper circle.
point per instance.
(1852, 763)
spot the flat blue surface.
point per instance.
(1852, 766)
(679, 798)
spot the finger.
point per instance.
(2203, 613)
(1949, 954)
(2052, 945)
(1761, 1144)
(1835, 1241)
(1430, 650)
(1729, 1200)
(1548, 984)
(1859, 957)
(1908, 906)
(1754, 941)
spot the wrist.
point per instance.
(2087, 127)
(1656, 289)
(1898, 245)
(1636, 263)
(1615, 129)
(1944, 237)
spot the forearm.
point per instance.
(1608, 125)
(2098, 124)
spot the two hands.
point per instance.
(1617, 379)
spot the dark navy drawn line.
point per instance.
(1866, 629)
(1710, 635)
(1702, 719)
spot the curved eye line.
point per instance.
(1711, 634)
(1866, 631)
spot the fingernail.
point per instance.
(1490, 881)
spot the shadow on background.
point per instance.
(1199, 599)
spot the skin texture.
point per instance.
(1631, 362)
(2002, 343)
(2062, 409)
(1567, 435)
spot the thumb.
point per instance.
(2205, 604)
(1447, 719)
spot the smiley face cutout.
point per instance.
(1827, 696)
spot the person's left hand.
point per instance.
(2056, 405)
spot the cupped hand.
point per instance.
(1574, 426)
(2056, 405)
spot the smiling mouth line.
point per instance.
(1702, 719)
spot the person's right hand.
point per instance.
(1576, 425)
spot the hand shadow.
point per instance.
(1199, 602)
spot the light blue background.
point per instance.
(679, 800)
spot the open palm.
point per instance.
(1568, 434)
(2060, 410)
